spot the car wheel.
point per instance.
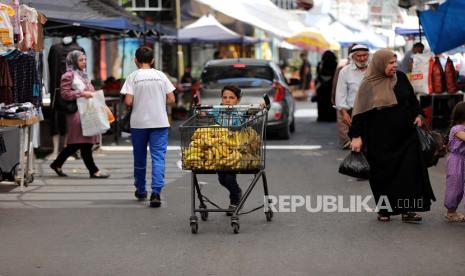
(285, 132)
(292, 127)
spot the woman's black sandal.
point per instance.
(58, 171)
(411, 217)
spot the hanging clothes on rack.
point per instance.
(15, 21)
(24, 76)
(29, 25)
(6, 83)
(41, 20)
(6, 28)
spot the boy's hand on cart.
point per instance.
(87, 94)
(266, 102)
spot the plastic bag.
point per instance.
(428, 146)
(355, 165)
(93, 114)
(420, 76)
(111, 117)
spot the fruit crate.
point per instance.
(224, 139)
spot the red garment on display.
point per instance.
(438, 77)
(451, 77)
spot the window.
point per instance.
(142, 5)
(244, 76)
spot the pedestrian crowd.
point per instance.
(373, 102)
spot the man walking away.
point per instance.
(407, 62)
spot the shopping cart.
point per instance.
(225, 139)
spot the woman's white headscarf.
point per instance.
(72, 64)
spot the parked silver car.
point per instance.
(255, 78)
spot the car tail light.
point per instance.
(278, 115)
(239, 65)
(280, 91)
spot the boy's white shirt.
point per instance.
(149, 88)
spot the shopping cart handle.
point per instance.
(195, 100)
(267, 101)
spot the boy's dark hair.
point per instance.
(236, 90)
(144, 54)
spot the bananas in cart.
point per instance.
(217, 148)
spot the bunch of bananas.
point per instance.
(217, 148)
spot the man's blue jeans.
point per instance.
(157, 140)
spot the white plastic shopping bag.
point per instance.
(420, 76)
(93, 113)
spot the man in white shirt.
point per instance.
(406, 64)
(348, 83)
(148, 91)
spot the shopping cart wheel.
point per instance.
(194, 224)
(235, 225)
(269, 215)
(194, 227)
(204, 215)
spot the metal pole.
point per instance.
(122, 58)
(180, 53)
(419, 24)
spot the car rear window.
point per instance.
(242, 75)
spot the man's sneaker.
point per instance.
(231, 208)
(155, 201)
(140, 197)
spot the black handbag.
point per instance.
(67, 106)
(125, 122)
(60, 104)
(355, 165)
(429, 146)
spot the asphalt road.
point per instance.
(78, 226)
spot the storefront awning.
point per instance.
(262, 14)
(444, 26)
(82, 17)
(208, 30)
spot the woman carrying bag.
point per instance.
(385, 114)
(75, 84)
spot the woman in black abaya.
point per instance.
(324, 87)
(384, 118)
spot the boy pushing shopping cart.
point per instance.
(226, 140)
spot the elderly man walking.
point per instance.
(347, 86)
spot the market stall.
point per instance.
(20, 89)
(438, 72)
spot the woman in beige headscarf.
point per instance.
(383, 122)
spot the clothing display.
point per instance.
(6, 28)
(6, 84)
(29, 26)
(25, 78)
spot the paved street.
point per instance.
(79, 226)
